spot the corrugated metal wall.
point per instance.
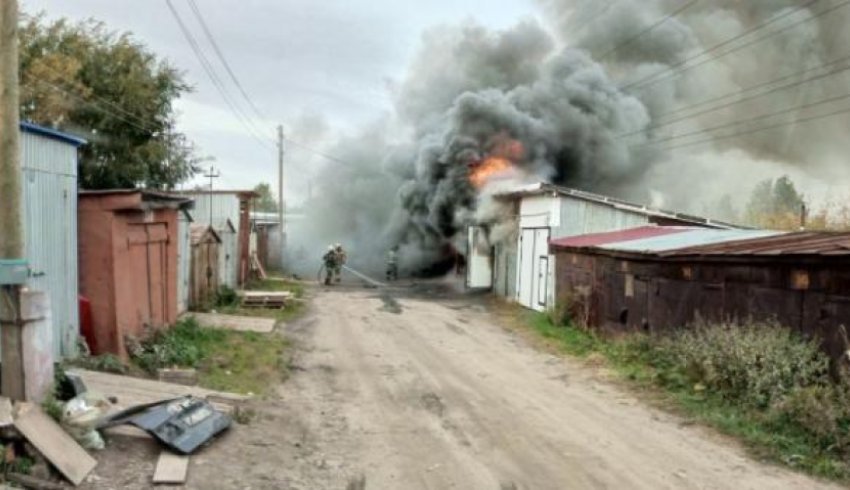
(50, 207)
(224, 207)
(581, 217)
(228, 257)
(184, 262)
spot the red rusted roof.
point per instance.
(596, 239)
(798, 243)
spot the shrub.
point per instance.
(226, 296)
(571, 308)
(757, 364)
(822, 412)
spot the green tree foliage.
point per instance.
(266, 202)
(775, 204)
(109, 88)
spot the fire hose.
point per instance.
(365, 277)
(356, 273)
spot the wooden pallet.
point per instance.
(266, 299)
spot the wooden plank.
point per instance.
(171, 468)
(146, 390)
(266, 294)
(54, 444)
(6, 418)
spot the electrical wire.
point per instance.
(208, 33)
(647, 30)
(214, 78)
(740, 122)
(755, 130)
(680, 67)
(762, 85)
(97, 105)
(593, 17)
(734, 103)
(316, 152)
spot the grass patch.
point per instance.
(107, 363)
(245, 362)
(241, 362)
(759, 383)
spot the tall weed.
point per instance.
(756, 364)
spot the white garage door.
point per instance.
(479, 267)
(533, 276)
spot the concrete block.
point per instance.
(37, 345)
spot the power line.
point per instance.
(756, 130)
(96, 105)
(197, 12)
(210, 71)
(316, 152)
(767, 83)
(741, 100)
(749, 120)
(150, 125)
(593, 17)
(680, 67)
(647, 30)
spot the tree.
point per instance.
(109, 88)
(775, 204)
(266, 202)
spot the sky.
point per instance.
(329, 65)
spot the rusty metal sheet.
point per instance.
(799, 243)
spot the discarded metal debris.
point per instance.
(182, 424)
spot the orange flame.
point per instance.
(487, 169)
(505, 152)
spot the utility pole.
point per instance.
(281, 209)
(212, 174)
(12, 236)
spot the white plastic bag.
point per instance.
(80, 416)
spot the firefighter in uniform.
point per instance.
(330, 264)
(392, 264)
(341, 258)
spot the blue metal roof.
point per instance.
(695, 237)
(52, 133)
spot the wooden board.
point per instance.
(5, 412)
(54, 443)
(233, 322)
(171, 468)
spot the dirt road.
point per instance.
(418, 394)
(412, 393)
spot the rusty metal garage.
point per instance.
(651, 279)
(128, 262)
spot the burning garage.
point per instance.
(655, 279)
(519, 266)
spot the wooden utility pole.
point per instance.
(12, 236)
(281, 206)
(212, 175)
